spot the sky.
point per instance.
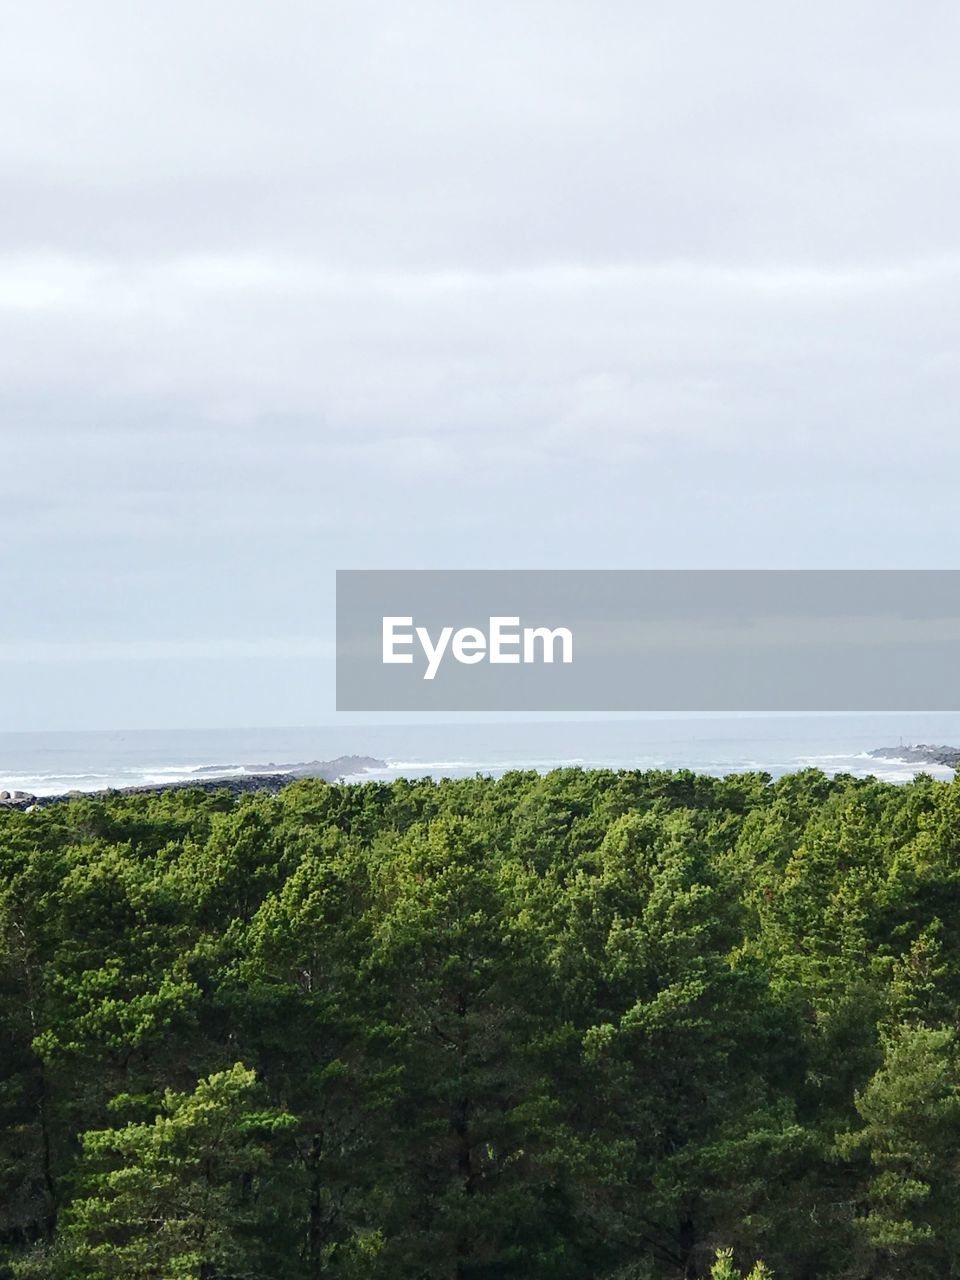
(299, 286)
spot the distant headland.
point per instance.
(920, 753)
(259, 777)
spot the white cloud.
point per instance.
(289, 287)
(68, 650)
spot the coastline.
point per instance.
(235, 784)
(273, 778)
(920, 753)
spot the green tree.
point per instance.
(296, 999)
(184, 1196)
(723, 1269)
(910, 1137)
(471, 1156)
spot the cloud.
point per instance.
(291, 287)
(278, 358)
(118, 651)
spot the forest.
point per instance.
(589, 1025)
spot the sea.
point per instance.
(56, 762)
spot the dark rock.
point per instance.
(234, 784)
(330, 770)
(16, 799)
(920, 753)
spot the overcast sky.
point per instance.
(287, 287)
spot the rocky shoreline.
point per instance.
(920, 753)
(270, 778)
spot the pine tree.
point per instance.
(184, 1196)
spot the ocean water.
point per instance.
(51, 763)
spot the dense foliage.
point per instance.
(585, 1025)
